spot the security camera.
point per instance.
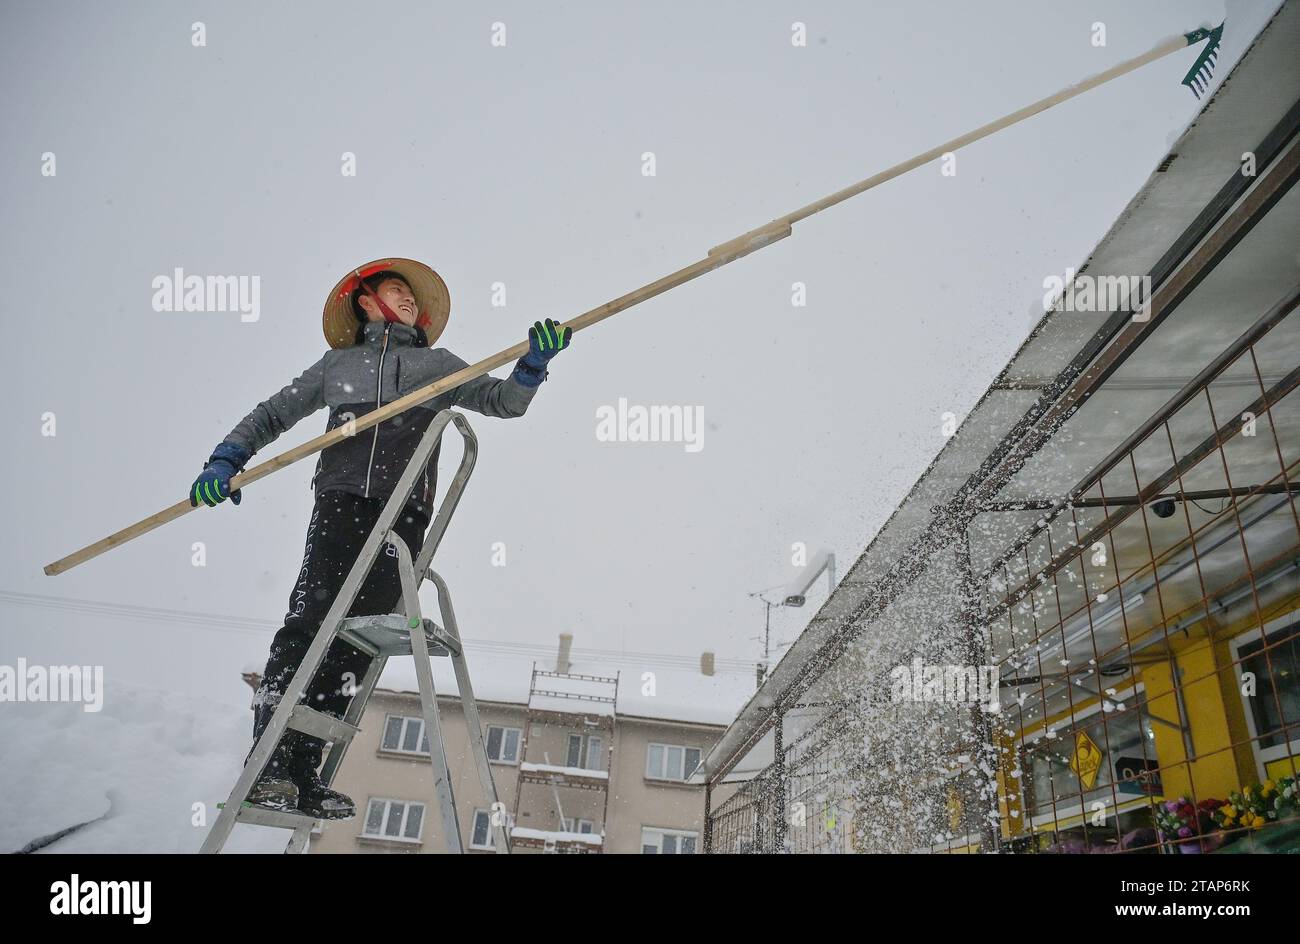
(1164, 508)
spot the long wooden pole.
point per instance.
(718, 256)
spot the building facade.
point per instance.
(621, 785)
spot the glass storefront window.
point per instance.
(1068, 773)
(1277, 695)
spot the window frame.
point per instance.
(473, 826)
(505, 729)
(590, 824)
(401, 736)
(584, 750)
(1267, 755)
(666, 749)
(663, 831)
(401, 837)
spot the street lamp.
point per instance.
(796, 591)
(795, 595)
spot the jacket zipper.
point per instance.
(398, 392)
(379, 386)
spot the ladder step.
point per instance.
(321, 725)
(390, 635)
(256, 816)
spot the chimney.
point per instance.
(706, 663)
(562, 662)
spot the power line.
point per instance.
(244, 625)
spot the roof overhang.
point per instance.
(1168, 231)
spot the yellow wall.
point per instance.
(1215, 713)
(1009, 792)
(1215, 769)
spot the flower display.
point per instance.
(1179, 819)
(1259, 804)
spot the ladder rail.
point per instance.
(282, 719)
(428, 700)
(469, 704)
(438, 528)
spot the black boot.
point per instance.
(314, 798)
(274, 788)
(271, 793)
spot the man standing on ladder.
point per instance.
(380, 321)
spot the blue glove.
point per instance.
(212, 487)
(544, 342)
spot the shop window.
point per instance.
(1107, 756)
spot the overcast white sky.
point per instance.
(522, 165)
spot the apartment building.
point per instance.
(591, 759)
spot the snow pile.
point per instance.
(542, 835)
(673, 694)
(577, 772)
(156, 754)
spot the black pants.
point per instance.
(340, 524)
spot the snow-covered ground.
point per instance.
(158, 754)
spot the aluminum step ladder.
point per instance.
(380, 637)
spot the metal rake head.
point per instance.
(1198, 76)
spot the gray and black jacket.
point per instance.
(352, 381)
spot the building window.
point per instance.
(503, 744)
(405, 735)
(568, 825)
(584, 751)
(395, 820)
(1124, 746)
(1277, 697)
(1274, 663)
(480, 836)
(670, 761)
(667, 841)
